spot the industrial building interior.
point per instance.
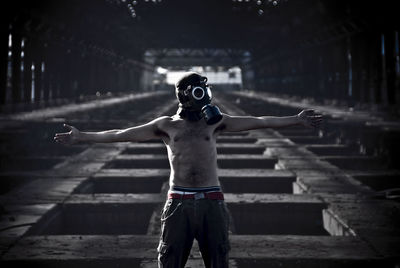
(297, 196)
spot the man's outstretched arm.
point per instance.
(139, 133)
(306, 118)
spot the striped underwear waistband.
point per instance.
(190, 190)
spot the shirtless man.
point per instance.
(195, 208)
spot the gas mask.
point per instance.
(195, 103)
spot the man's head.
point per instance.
(194, 97)
(192, 91)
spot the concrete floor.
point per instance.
(297, 197)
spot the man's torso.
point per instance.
(192, 152)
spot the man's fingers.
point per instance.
(62, 134)
(66, 137)
(316, 120)
(311, 112)
(316, 123)
(58, 140)
(68, 126)
(61, 140)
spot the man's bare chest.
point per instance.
(192, 134)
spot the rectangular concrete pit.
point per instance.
(9, 182)
(277, 218)
(138, 163)
(241, 133)
(246, 162)
(160, 149)
(309, 263)
(293, 131)
(232, 149)
(247, 252)
(276, 214)
(77, 263)
(233, 139)
(332, 149)
(379, 181)
(310, 140)
(220, 139)
(95, 219)
(268, 184)
(356, 162)
(161, 162)
(29, 163)
(121, 185)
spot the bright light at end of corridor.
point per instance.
(232, 75)
(162, 70)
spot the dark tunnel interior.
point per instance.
(295, 196)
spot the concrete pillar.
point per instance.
(125, 78)
(114, 85)
(349, 71)
(81, 74)
(92, 74)
(64, 73)
(356, 52)
(314, 75)
(101, 75)
(133, 83)
(47, 62)
(359, 48)
(340, 62)
(258, 78)
(300, 83)
(37, 49)
(38, 85)
(247, 77)
(329, 72)
(51, 71)
(27, 76)
(373, 67)
(390, 58)
(78, 75)
(146, 80)
(129, 78)
(136, 82)
(16, 64)
(57, 65)
(4, 33)
(384, 82)
(110, 77)
(397, 67)
(118, 77)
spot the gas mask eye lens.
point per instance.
(198, 93)
(209, 92)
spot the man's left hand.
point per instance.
(310, 118)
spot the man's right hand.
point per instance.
(70, 137)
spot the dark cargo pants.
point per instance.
(184, 220)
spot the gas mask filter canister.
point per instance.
(211, 114)
(197, 99)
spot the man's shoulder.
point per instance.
(162, 119)
(165, 120)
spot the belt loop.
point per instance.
(200, 195)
